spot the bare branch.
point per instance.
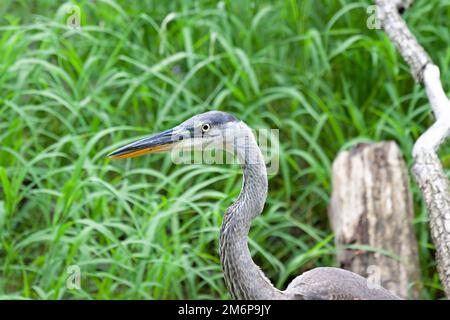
(434, 185)
(427, 168)
(403, 39)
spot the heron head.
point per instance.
(210, 129)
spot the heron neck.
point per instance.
(243, 277)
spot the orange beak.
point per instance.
(158, 143)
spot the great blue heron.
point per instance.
(244, 279)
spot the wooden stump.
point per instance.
(371, 214)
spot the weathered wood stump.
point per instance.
(372, 215)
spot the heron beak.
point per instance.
(160, 142)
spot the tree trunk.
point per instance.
(371, 214)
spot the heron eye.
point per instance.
(205, 127)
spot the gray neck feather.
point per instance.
(243, 277)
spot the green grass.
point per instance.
(146, 228)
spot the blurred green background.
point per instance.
(146, 228)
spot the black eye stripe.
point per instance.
(189, 133)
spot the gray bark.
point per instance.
(371, 207)
(427, 167)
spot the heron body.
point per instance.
(243, 278)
